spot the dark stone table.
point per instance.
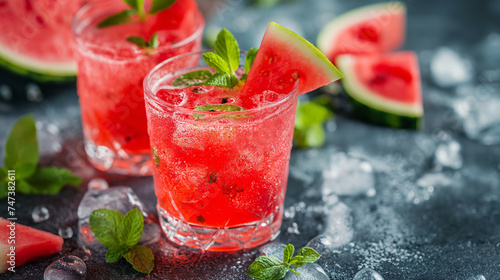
(434, 209)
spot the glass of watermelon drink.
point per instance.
(111, 70)
(221, 173)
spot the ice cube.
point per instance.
(448, 68)
(368, 274)
(273, 249)
(448, 155)
(310, 271)
(66, 268)
(40, 214)
(348, 175)
(121, 199)
(322, 243)
(479, 117)
(339, 225)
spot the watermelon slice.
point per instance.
(385, 87)
(30, 244)
(369, 29)
(36, 38)
(285, 57)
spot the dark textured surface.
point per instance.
(451, 233)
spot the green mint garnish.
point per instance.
(309, 119)
(156, 157)
(271, 268)
(224, 61)
(21, 155)
(121, 234)
(143, 44)
(137, 6)
(219, 108)
(249, 59)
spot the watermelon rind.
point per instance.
(330, 32)
(375, 108)
(318, 59)
(35, 69)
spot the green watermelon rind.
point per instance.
(329, 34)
(295, 41)
(38, 71)
(375, 108)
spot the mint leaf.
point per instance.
(141, 258)
(21, 149)
(250, 58)
(309, 118)
(130, 229)
(310, 255)
(153, 41)
(267, 268)
(216, 62)
(24, 187)
(138, 41)
(115, 253)
(219, 108)
(118, 18)
(227, 47)
(50, 180)
(221, 80)
(192, 78)
(156, 157)
(160, 5)
(104, 224)
(297, 261)
(294, 271)
(137, 5)
(288, 252)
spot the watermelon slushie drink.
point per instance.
(113, 58)
(221, 158)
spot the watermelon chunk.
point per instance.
(369, 29)
(36, 38)
(30, 244)
(285, 57)
(385, 87)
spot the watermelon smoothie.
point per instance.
(220, 177)
(110, 76)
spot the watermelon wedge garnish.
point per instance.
(385, 87)
(36, 38)
(369, 29)
(285, 57)
(30, 244)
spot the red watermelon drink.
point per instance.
(114, 55)
(221, 151)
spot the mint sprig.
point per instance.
(139, 41)
(21, 155)
(309, 119)
(271, 268)
(121, 235)
(137, 9)
(224, 61)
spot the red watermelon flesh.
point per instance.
(370, 29)
(30, 244)
(38, 31)
(283, 58)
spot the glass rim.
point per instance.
(76, 22)
(151, 97)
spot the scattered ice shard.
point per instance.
(310, 271)
(33, 93)
(448, 68)
(368, 274)
(348, 175)
(66, 268)
(433, 180)
(121, 199)
(49, 138)
(479, 117)
(65, 232)
(477, 277)
(293, 229)
(338, 225)
(448, 155)
(40, 214)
